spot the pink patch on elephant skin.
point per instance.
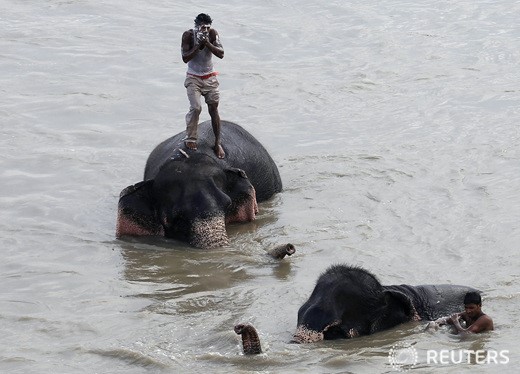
(127, 226)
(305, 335)
(246, 211)
(415, 316)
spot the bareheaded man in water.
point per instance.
(476, 321)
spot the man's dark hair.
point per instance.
(472, 298)
(203, 19)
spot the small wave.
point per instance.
(130, 357)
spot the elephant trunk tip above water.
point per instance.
(250, 340)
(191, 195)
(279, 252)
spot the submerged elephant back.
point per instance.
(436, 300)
(242, 151)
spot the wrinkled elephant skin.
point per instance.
(348, 302)
(191, 195)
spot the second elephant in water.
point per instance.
(349, 301)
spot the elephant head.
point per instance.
(348, 302)
(189, 199)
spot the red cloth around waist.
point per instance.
(204, 76)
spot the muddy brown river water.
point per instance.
(395, 127)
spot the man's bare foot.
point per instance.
(191, 144)
(219, 151)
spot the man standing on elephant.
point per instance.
(476, 321)
(198, 46)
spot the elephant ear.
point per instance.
(237, 183)
(398, 308)
(242, 195)
(136, 213)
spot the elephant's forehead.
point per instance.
(180, 171)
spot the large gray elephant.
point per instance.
(349, 301)
(191, 195)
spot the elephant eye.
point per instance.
(238, 172)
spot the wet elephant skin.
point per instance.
(349, 301)
(191, 195)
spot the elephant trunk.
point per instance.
(281, 251)
(250, 339)
(209, 233)
(305, 335)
